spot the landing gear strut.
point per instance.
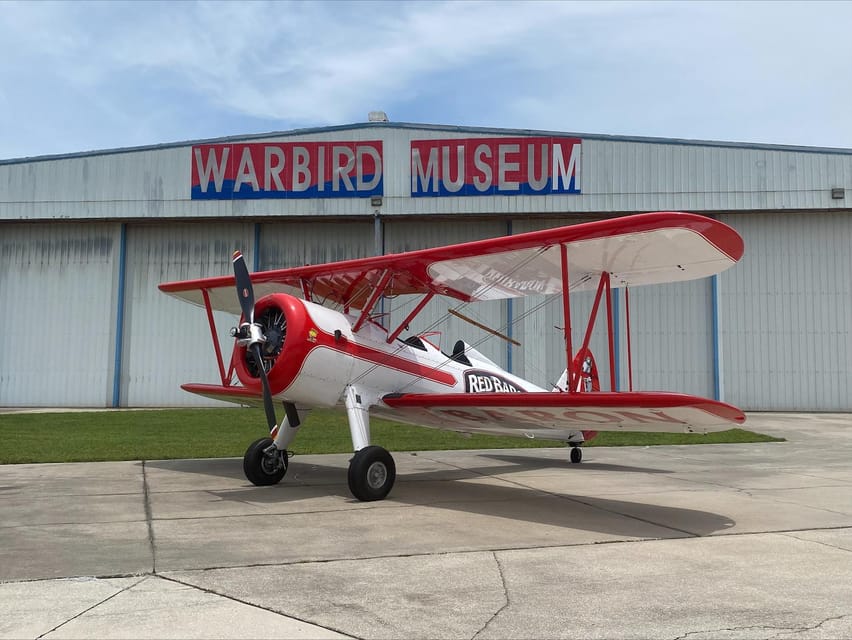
(263, 464)
(371, 474)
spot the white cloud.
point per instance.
(123, 73)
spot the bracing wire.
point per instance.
(463, 306)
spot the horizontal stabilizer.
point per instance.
(237, 395)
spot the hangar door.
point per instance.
(167, 342)
(57, 286)
(785, 313)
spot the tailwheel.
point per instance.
(371, 474)
(576, 454)
(263, 464)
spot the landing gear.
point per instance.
(576, 454)
(371, 474)
(263, 464)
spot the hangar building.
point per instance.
(85, 239)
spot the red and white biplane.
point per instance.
(308, 337)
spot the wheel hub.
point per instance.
(377, 475)
(271, 462)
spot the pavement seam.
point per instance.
(506, 601)
(498, 550)
(787, 532)
(767, 493)
(819, 542)
(97, 604)
(241, 516)
(251, 604)
(149, 519)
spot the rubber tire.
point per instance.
(576, 455)
(361, 468)
(253, 465)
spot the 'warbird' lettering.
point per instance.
(258, 170)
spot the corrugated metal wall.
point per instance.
(57, 308)
(672, 338)
(617, 175)
(785, 313)
(294, 244)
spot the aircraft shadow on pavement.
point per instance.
(504, 497)
(535, 464)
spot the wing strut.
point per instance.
(377, 293)
(410, 316)
(629, 353)
(216, 346)
(610, 331)
(566, 312)
(603, 289)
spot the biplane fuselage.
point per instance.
(321, 355)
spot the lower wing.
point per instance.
(562, 415)
(540, 415)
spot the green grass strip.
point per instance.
(219, 433)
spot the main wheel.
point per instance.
(371, 474)
(264, 466)
(576, 454)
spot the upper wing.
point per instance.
(558, 415)
(641, 249)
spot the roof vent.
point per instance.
(377, 116)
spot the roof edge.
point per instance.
(434, 127)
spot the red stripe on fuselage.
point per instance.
(389, 360)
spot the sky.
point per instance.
(80, 76)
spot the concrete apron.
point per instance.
(709, 541)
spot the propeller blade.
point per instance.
(245, 292)
(267, 394)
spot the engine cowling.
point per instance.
(304, 354)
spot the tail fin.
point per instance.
(587, 374)
(587, 380)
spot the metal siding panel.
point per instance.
(671, 337)
(62, 278)
(294, 244)
(785, 313)
(167, 342)
(407, 236)
(616, 175)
